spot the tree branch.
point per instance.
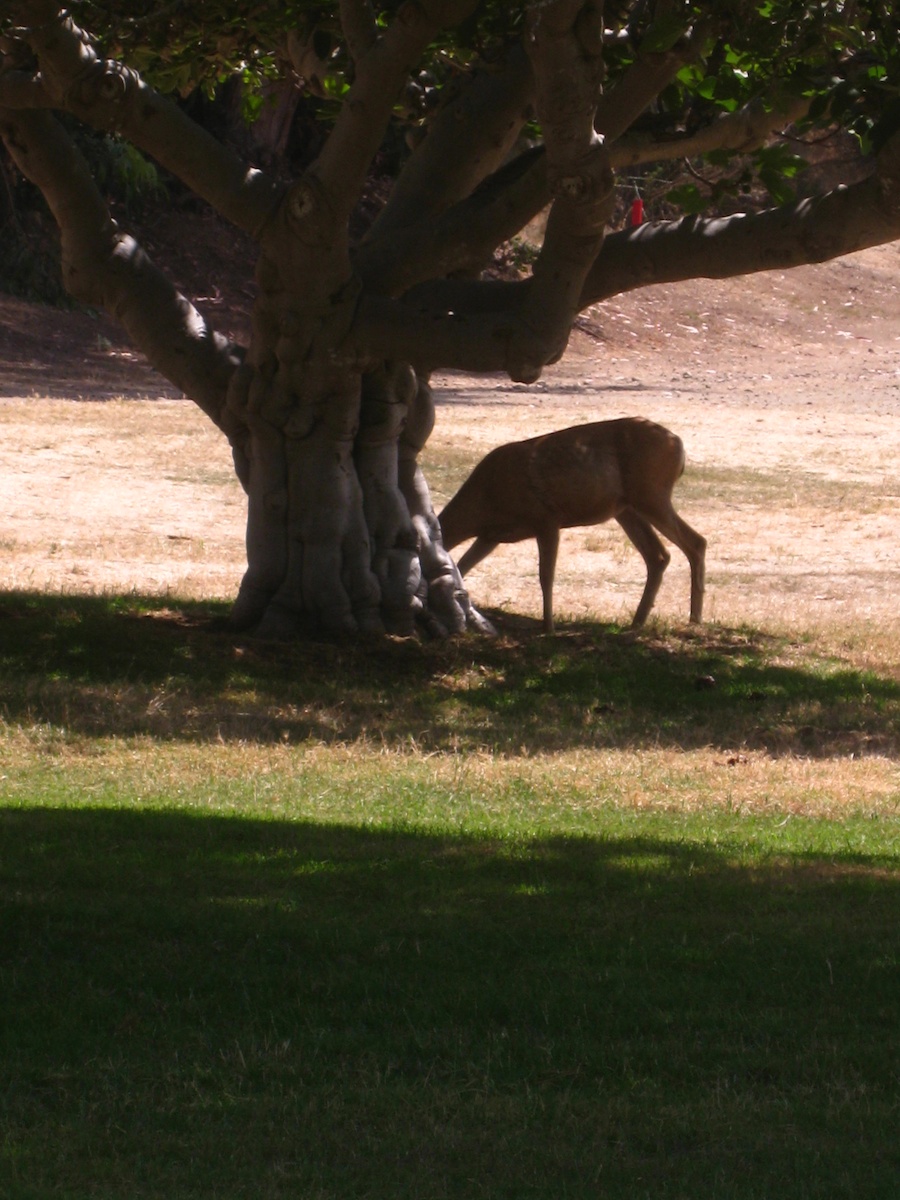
(741, 131)
(105, 267)
(358, 24)
(466, 140)
(813, 230)
(460, 232)
(497, 340)
(650, 73)
(440, 316)
(108, 96)
(565, 47)
(381, 70)
(18, 89)
(464, 237)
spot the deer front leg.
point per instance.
(548, 546)
(479, 549)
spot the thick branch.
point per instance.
(107, 96)
(644, 80)
(463, 323)
(358, 24)
(498, 340)
(19, 89)
(813, 230)
(381, 71)
(742, 131)
(463, 238)
(104, 267)
(565, 47)
(468, 138)
(433, 239)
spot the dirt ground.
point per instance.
(784, 386)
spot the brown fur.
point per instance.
(585, 475)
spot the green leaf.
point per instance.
(688, 198)
(663, 34)
(780, 191)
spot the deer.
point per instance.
(585, 475)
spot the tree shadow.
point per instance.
(71, 354)
(199, 1006)
(102, 666)
(456, 395)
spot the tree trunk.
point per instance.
(341, 531)
(331, 540)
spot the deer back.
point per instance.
(582, 475)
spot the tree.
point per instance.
(510, 108)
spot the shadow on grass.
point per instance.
(208, 1007)
(124, 665)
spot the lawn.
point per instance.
(536, 917)
(596, 915)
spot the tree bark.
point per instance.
(816, 229)
(812, 230)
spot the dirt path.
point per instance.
(785, 388)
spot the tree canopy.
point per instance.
(508, 110)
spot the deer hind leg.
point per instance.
(690, 543)
(548, 547)
(654, 554)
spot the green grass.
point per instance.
(255, 942)
(199, 1006)
(794, 488)
(126, 666)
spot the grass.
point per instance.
(538, 917)
(583, 916)
(239, 1007)
(780, 491)
(125, 666)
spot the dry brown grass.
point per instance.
(117, 495)
(793, 452)
(743, 782)
(798, 502)
(790, 427)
